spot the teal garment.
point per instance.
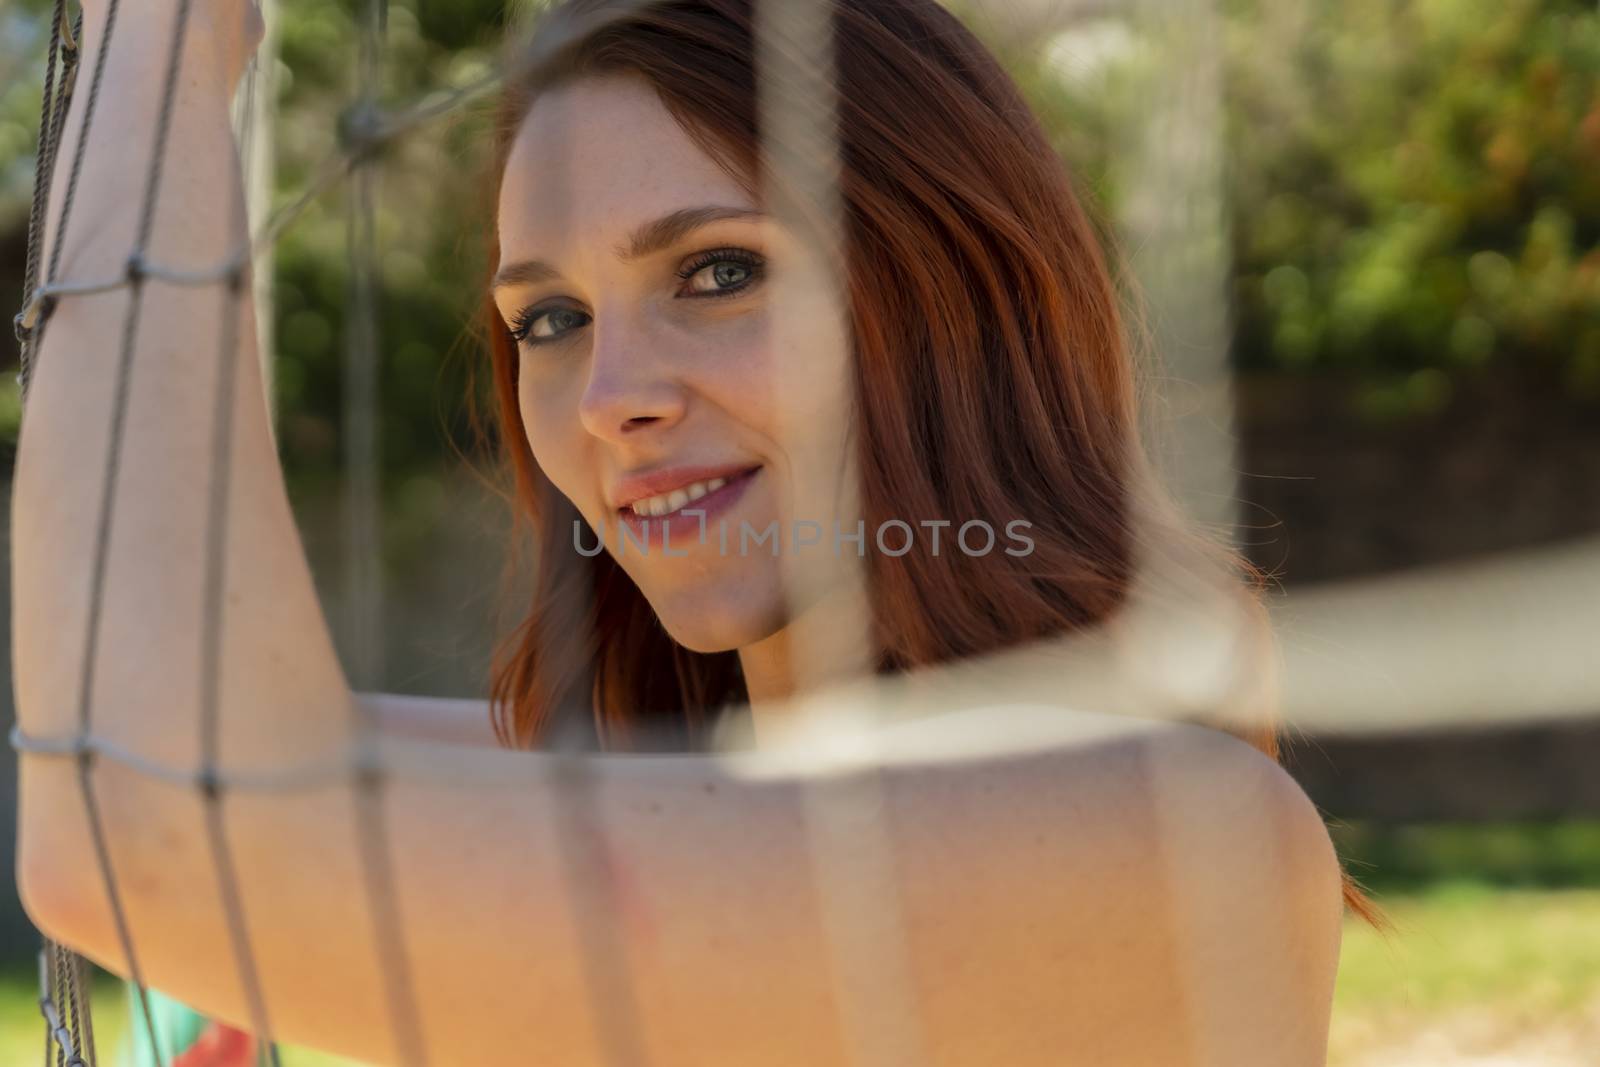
(177, 1027)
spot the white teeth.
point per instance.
(667, 503)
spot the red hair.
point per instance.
(993, 379)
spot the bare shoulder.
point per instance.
(1233, 797)
(1257, 900)
(1108, 776)
(1233, 778)
(1163, 896)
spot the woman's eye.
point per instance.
(720, 276)
(536, 326)
(720, 273)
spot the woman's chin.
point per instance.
(707, 627)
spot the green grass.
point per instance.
(22, 1027)
(1472, 969)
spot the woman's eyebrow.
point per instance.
(648, 239)
(527, 272)
(669, 229)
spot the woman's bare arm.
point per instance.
(679, 906)
(282, 694)
(1167, 898)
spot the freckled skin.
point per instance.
(628, 894)
(658, 379)
(1184, 885)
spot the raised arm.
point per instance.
(133, 590)
(281, 690)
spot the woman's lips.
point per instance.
(692, 525)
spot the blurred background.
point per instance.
(1368, 234)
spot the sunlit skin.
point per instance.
(1082, 893)
(668, 356)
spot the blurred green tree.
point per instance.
(1416, 187)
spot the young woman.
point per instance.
(742, 393)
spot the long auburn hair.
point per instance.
(994, 378)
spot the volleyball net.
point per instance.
(1497, 641)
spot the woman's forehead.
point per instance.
(599, 156)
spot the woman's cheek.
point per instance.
(553, 433)
(738, 370)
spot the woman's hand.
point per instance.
(222, 33)
(234, 27)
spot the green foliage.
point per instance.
(1416, 186)
(431, 214)
(24, 32)
(1409, 856)
(1413, 190)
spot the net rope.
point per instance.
(62, 972)
(844, 814)
(842, 822)
(364, 128)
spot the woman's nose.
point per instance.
(630, 388)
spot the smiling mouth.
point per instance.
(666, 505)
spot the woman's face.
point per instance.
(685, 379)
